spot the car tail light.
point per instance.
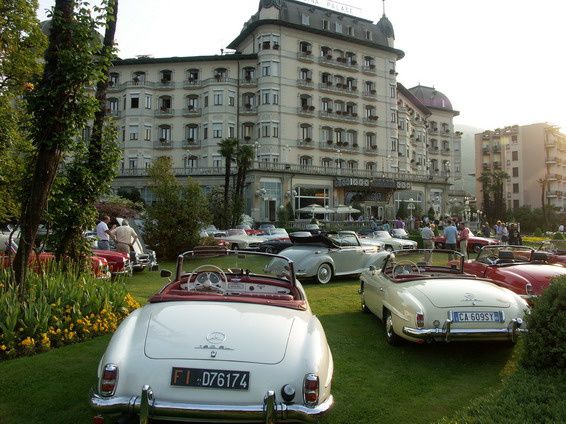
(420, 320)
(109, 380)
(98, 419)
(310, 389)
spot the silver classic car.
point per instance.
(424, 295)
(391, 243)
(230, 339)
(323, 256)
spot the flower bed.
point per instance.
(60, 308)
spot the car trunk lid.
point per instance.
(178, 331)
(450, 293)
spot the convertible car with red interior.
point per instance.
(231, 339)
(521, 269)
(555, 249)
(475, 243)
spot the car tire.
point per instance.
(476, 248)
(389, 248)
(439, 246)
(269, 249)
(323, 273)
(362, 299)
(392, 338)
(234, 246)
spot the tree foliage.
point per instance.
(402, 212)
(493, 202)
(21, 46)
(176, 216)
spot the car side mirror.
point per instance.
(165, 273)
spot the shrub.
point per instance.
(537, 232)
(558, 236)
(208, 241)
(545, 343)
(60, 309)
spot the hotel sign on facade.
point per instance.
(369, 183)
(336, 6)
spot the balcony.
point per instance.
(370, 120)
(305, 56)
(433, 150)
(445, 152)
(164, 112)
(165, 85)
(163, 143)
(369, 69)
(192, 84)
(371, 150)
(248, 81)
(306, 143)
(307, 110)
(496, 149)
(192, 111)
(370, 94)
(305, 83)
(248, 109)
(486, 150)
(191, 143)
(344, 116)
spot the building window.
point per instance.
(148, 101)
(306, 132)
(134, 135)
(191, 161)
(231, 98)
(265, 97)
(217, 161)
(368, 35)
(515, 155)
(205, 100)
(231, 131)
(164, 133)
(218, 98)
(134, 101)
(351, 31)
(394, 144)
(147, 134)
(192, 102)
(371, 166)
(112, 105)
(193, 75)
(515, 188)
(205, 131)
(216, 130)
(393, 115)
(305, 160)
(371, 141)
(338, 27)
(392, 91)
(114, 79)
(515, 172)
(325, 24)
(305, 19)
(265, 69)
(275, 129)
(276, 98)
(515, 203)
(192, 132)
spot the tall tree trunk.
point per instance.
(48, 149)
(96, 160)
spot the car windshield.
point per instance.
(382, 235)
(495, 255)
(236, 263)
(236, 232)
(410, 264)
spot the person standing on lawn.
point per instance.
(451, 234)
(103, 233)
(125, 237)
(464, 235)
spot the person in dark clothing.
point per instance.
(486, 232)
(514, 236)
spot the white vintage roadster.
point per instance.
(424, 295)
(231, 339)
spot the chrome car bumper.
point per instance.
(147, 406)
(448, 333)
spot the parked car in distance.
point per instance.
(277, 245)
(399, 233)
(237, 239)
(326, 255)
(475, 243)
(423, 295)
(275, 234)
(264, 227)
(118, 263)
(390, 243)
(37, 261)
(249, 230)
(312, 228)
(518, 268)
(230, 339)
(555, 249)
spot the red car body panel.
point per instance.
(117, 262)
(515, 277)
(473, 241)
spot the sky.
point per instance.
(500, 62)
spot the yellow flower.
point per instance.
(28, 342)
(3, 347)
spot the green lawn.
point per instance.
(373, 382)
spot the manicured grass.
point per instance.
(373, 382)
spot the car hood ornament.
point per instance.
(469, 297)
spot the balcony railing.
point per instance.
(192, 111)
(163, 144)
(192, 143)
(191, 84)
(248, 82)
(164, 113)
(305, 56)
(306, 110)
(305, 83)
(369, 69)
(298, 169)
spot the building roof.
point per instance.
(290, 15)
(146, 60)
(432, 98)
(415, 101)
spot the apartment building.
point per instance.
(315, 92)
(530, 155)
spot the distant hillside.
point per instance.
(468, 158)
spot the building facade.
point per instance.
(315, 92)
(532, 156)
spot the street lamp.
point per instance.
(411, 207)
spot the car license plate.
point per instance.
(477, 316)
(214, 379)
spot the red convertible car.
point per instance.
(518, 268)
(475, 243)
(555, 249)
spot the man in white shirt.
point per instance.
(428, 240)
(103, 233)
(125, 237)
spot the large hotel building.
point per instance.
(533, 156)
(315, 92)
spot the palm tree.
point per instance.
(228, 148)
(244, 159)
(543, 184)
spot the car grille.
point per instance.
(408, 247)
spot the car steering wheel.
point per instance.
(207, 284)
(405, 267)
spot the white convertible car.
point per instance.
(390, 243)
(237, 238)
(423, 295)
(226, 341)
